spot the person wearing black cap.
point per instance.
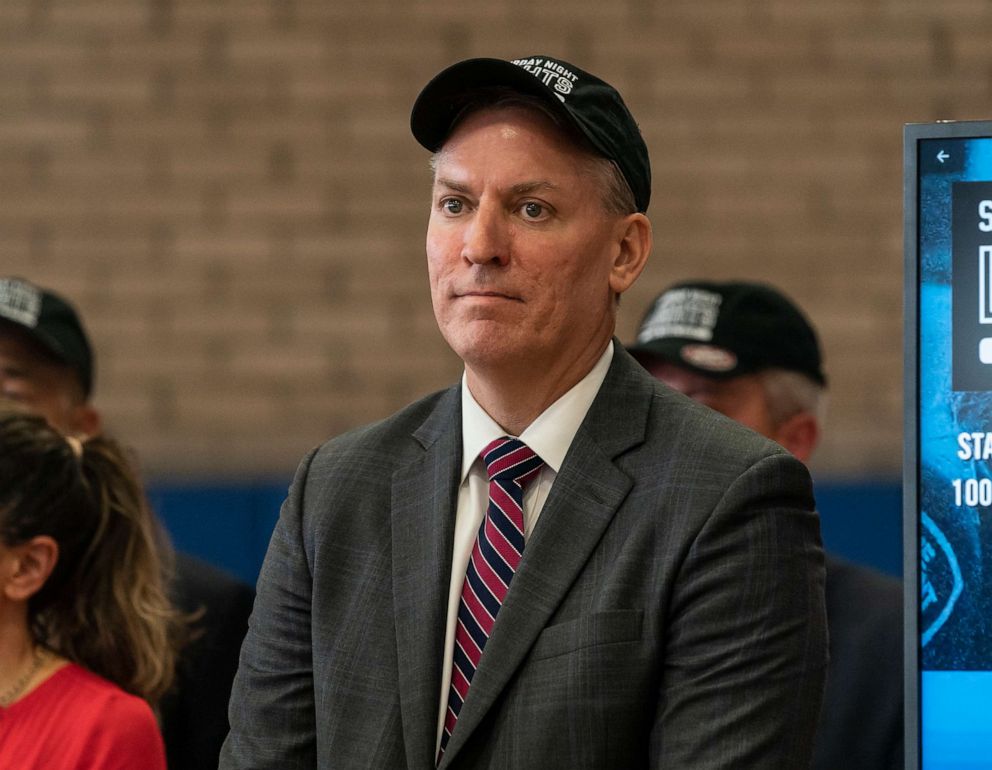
(47, 366)
(558, 562)
(747, 351)
(45, 358)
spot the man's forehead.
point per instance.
(526, 155)
(17, 345)
(672, 372)
(513, 121)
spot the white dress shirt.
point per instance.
(550, 436)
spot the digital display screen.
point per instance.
(953, 473)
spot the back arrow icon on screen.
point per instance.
(942, 156)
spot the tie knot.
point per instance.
(510, 459)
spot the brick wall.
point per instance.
(229, 191)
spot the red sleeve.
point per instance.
(127, 738)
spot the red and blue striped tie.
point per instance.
(511, 465)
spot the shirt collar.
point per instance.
(550, 435)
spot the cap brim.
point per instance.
(443, 98)
(669, 349)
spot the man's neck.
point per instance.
(516, 396)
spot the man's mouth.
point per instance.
(486, 294)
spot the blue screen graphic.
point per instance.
(955, 452)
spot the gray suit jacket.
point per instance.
(668, 610)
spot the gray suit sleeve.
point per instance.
(272, 703)
(746, 648)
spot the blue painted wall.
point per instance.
(230, 524)
(862, 521)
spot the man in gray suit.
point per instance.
(558, 563)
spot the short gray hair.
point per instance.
(788, 393)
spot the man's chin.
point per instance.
(486, 343)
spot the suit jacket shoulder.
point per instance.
(375, 450)
(360, 464)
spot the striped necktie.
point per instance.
(511, 465)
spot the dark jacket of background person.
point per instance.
(194, 712)
(864, 695)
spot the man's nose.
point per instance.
(487, 237)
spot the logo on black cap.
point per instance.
(20, 302)
(551, 73)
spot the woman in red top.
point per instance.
(87, 635)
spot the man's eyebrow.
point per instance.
(451, 184)
(528, 187)
(13, 370)
(522, 188)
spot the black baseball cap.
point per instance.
(51, 322)
(722, 330)
(590, 105)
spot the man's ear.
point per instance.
(85, 421)
(632, 254)
(799, 434)
(30, 566)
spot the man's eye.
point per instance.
(533, 210)
(13, 395)
(452, 205)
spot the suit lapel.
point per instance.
(586, 494)
(424, 496)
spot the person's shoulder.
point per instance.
(857, 585)
(198, 582)
(865, 612)
(123, 729)
(673, 422)
(664, 434)
(105, 701)
(95, 723)
(393, 436)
